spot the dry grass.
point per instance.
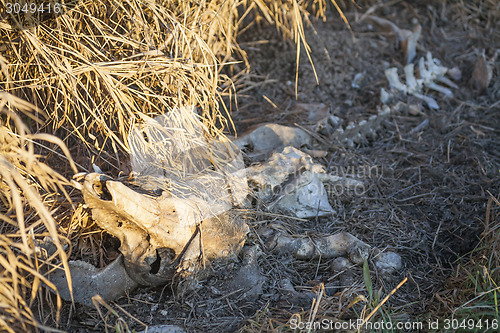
(99, 66)
(28, 191)
(473, 290)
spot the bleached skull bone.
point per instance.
(155, 242)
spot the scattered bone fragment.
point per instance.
(110, 282)
(430, 72)
(304, 198)
(338, 245)
(392, 76)
(292, 296)
(344, 247)
(420, 127)
(354, 133)
(431, 102)
(249, 279)
(386, 26)
(265, 177)
(414, 109)
(155, 242)
(273, 137)
(388, 263)
(410, 44)
(356, 80)
(385, 97)
(291, 182)
(407, 38)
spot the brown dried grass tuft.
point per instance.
(94, 69)
(101, 64)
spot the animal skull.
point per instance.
(155, 242)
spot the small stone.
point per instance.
(358, 253)
(388, 263)
(340, 264)
(414, 109)
(455, 73)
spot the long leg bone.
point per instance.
(333, 246)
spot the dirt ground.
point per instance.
(426, 201)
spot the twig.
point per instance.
(384, 300)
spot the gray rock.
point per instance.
(388, 263)
(340, 264)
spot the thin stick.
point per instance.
(384, 300)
